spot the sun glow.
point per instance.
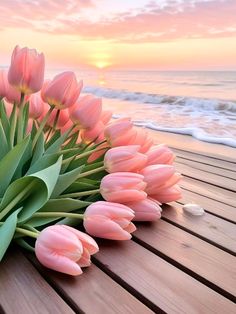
(102, 64)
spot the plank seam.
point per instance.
(66, 298)
(212, 156)
(204, 163)
(127, 287)
(211, 213)
(185, 269)
(207, 196)
(205, 170)
(198, 236)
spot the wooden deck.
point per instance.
(180, 264)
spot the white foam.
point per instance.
(209, 120)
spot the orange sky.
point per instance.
(164, 34)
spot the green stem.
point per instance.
(14, 202)
(13, 126)
(88, 173)
(58, 214)
(42, 125)
(78, 194)
(27, 233)
(20, 119)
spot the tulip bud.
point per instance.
(64, 249)
(87, 111)
(124, 158)
(63, 91)
(109, 221)
(146, 210)
(158, 177)
(160, 154)
(123, 187)
(26, 71)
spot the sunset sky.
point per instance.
(136, 34)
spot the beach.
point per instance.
(198, 104)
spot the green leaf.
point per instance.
(82, 186)
(65, 180)
(25, 117)
(31, 192)
(7, 231)
(56, 205)
(43, 162)
(56, 146)
(55, 136)
(4, 119)
(3, 140)
(23, 164)
(39, 149)
(9, 164)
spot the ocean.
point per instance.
(201, 104)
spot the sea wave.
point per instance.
(145, 98)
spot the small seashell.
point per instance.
(193, 209)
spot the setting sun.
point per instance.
(102, 64)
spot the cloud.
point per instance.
(156, 22)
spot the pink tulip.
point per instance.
(95, 134)
(94, 156)
(160, 154)
(87, 111)
(109, 221)
(143, 139)
(146, 210)
(62, 120)
(36, 106)
(106, 116)
(123, 187)
(167, 195)
(8, 107)
(158, 177)
(64, 249)
(63, 91)
(26, 71)
(124, 158)
(6, 90)
(120, 132)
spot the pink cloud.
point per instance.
(152, 23)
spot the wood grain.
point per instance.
(222, 210)
(211, 191)
(213, 229)
(94, 292)
(167, 287)
(198, 256)
(205, 159)
(203, 175)
(206, 168)
(23, 290)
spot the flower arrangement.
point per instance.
(65, 164)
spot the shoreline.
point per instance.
(189, 143)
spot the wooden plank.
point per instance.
(219, 163)
(94, 292)
(205, 260)
(222, 210)
(23, 290)
(211, 191)
(209, 227)
(163, 285)
(207, 177)
(206, 168)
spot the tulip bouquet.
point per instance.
(64, 164)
